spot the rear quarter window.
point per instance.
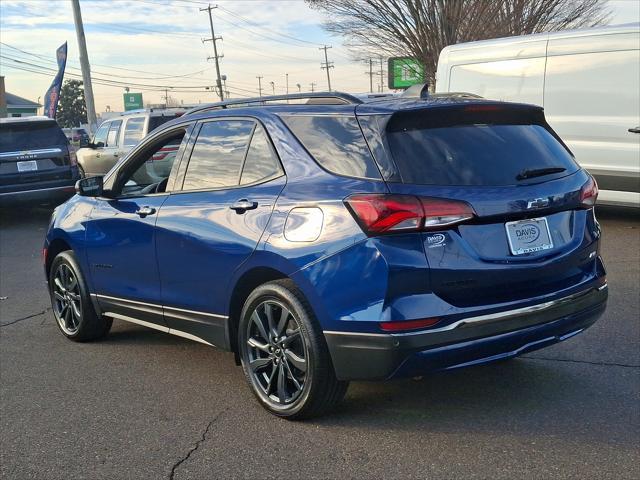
(336, 143)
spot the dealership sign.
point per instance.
(405, 72)
(132, 101)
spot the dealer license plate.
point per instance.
(527, 236)
(27, 166)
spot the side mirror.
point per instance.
(89, 187)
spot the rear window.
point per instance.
(336, 143)
(31, 136)
(477, 154)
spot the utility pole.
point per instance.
(166, 98)
(259, 85)
(371, 74)
(313, 84)
(273, 87)
(326, 65)
(287, 81)
(381, 76)
(84, 64)
(213, 39)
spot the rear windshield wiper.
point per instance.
(538, 172)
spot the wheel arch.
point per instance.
(56, 246)
(247, 283)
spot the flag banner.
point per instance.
(53, 94)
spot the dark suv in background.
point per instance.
(36, 161)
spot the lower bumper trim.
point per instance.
(468, 341)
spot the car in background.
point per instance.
(337, 241)
(116, 136)
(588, 82)
(78, 137)
(37, 163)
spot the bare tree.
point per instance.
(422, 28)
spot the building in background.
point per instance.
(20, 107)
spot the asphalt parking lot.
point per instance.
(142, 404)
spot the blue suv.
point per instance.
(325, 238)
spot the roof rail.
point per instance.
(315, 98)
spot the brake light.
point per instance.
(73, 158)
(483, 108)
(389, 213)
(408, 325)
(440, 212)
(589, 193)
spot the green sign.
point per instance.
(132, 101)
(405, 72)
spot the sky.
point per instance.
(150, 45)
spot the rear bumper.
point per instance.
(58, 191)
(470, 341)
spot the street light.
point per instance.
(299, 87)
(273, 87)
(224, 83)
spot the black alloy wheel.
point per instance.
(71, 303)
(284, 354)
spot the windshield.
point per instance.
(30, 136)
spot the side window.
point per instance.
(133, 131)
(261, 162)
(336, 143)
(149, 169)
(101, 135)
(114, 133)
(218, 154)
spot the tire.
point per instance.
(71, 303)
(290, 373)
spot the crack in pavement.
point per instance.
(603, 364)
(195, 447)
(25, 318)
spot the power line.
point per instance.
(48, 59)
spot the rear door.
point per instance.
(211, 225)
(110, 153)
(524, 187)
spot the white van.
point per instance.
(588, 82)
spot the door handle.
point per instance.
(634, 130)
(144, 211)
(243, 205)
(116, 154)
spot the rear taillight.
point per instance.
(389, 213)
(589, 193)
(73, 158)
